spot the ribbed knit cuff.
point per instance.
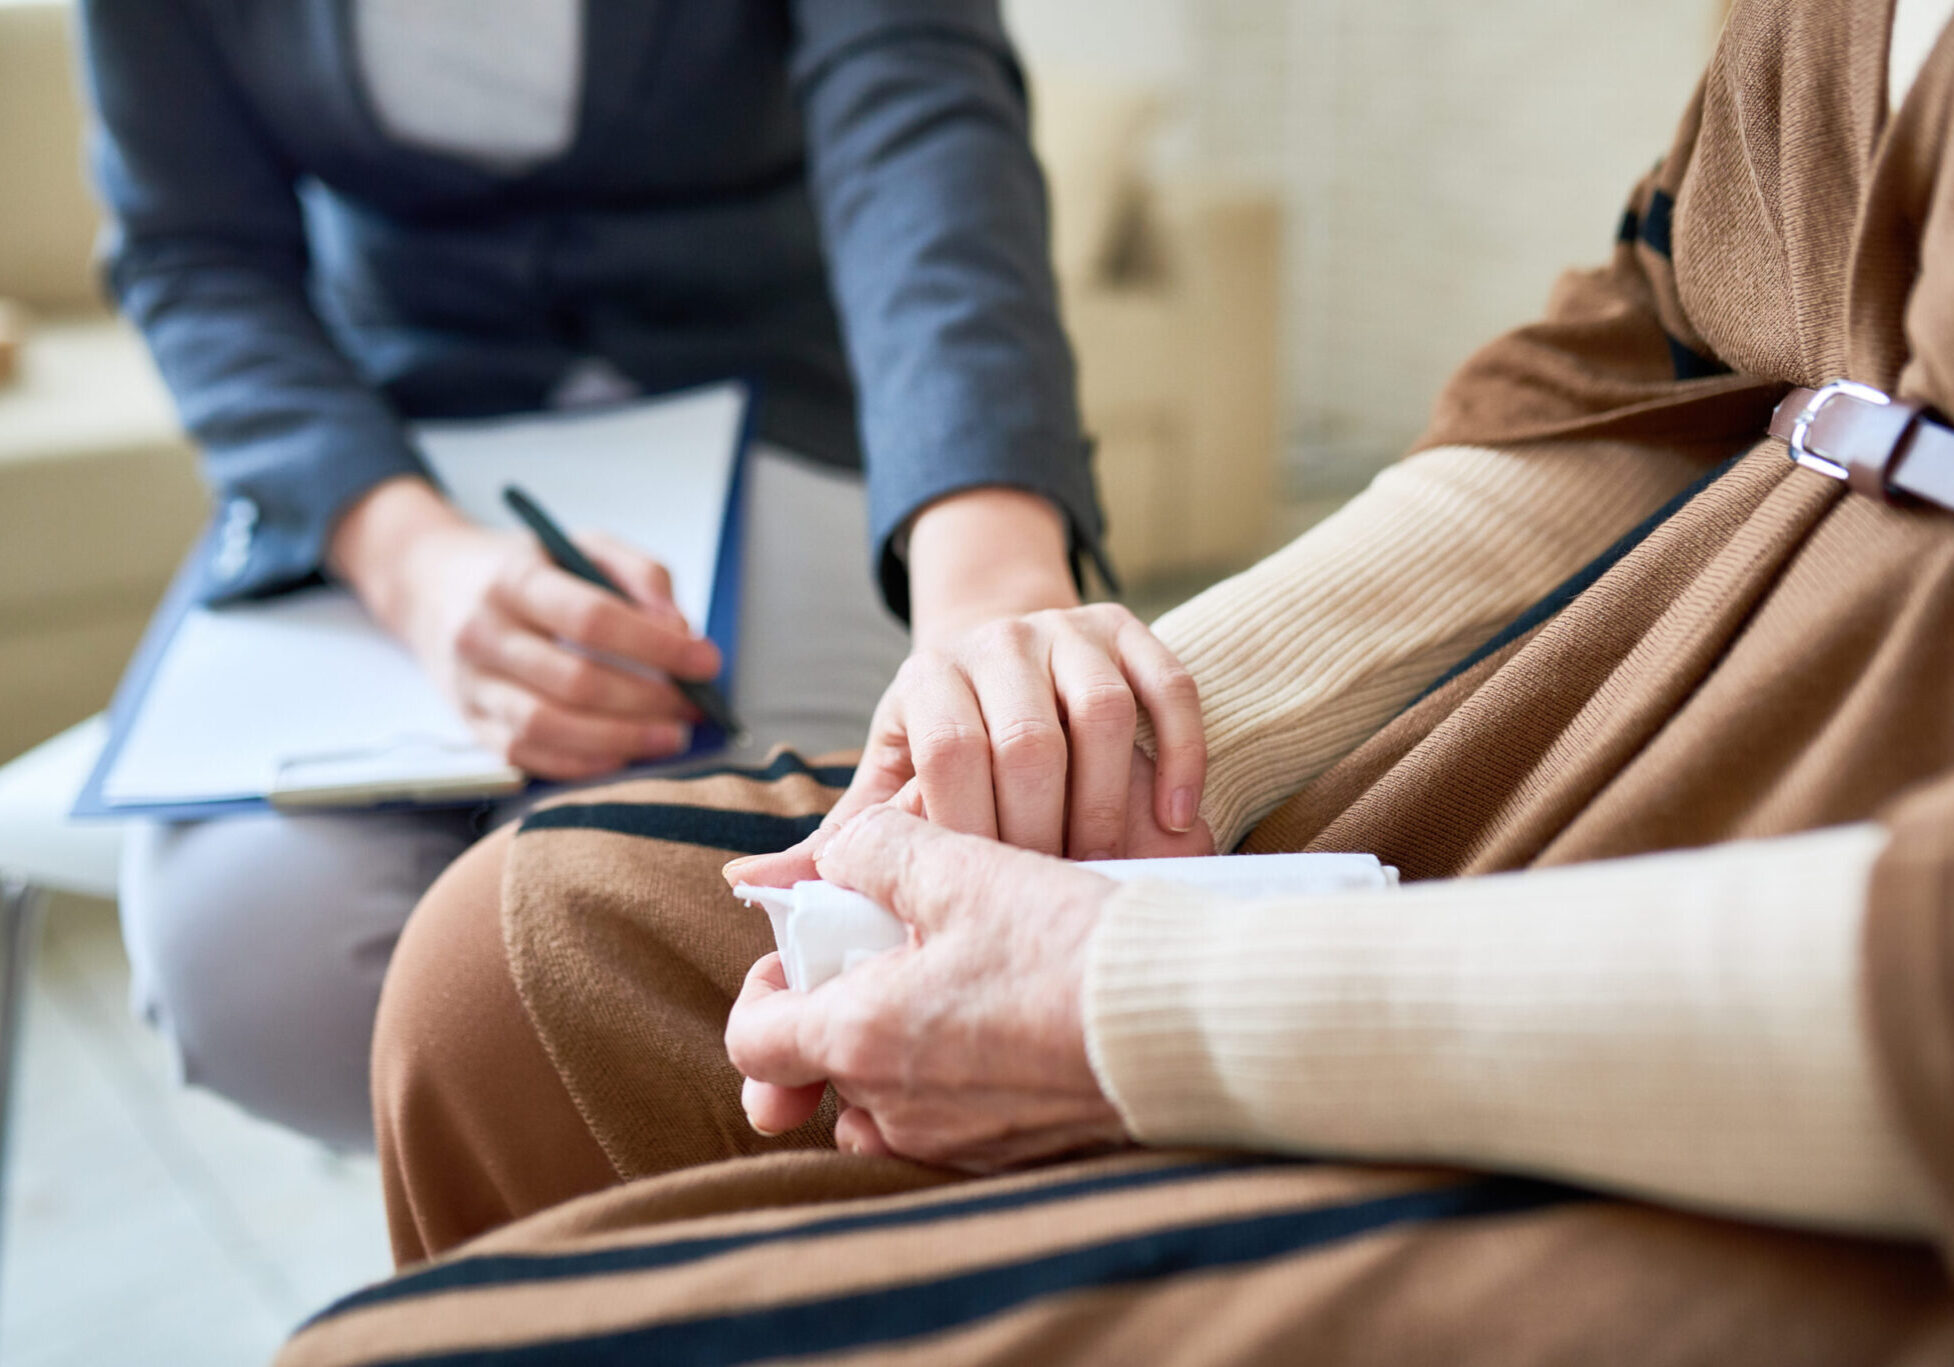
(1680, 1026)
(1144, 1013)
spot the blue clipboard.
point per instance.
(190, 588)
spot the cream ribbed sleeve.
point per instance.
(1681, 1026)
(1304, 656)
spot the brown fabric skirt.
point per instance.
(1156, 1258)
(1138, 1257)
(554, 1018)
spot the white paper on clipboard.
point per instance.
(304, 700)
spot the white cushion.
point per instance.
(38, 843)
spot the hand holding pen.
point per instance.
(566, 680)
(566, 556)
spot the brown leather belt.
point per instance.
(1881, 447)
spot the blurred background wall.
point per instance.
(1437, 165)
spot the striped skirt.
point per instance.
(1138, 1257)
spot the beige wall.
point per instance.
(1440, 163)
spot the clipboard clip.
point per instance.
(407, 768)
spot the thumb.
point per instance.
(782, 869)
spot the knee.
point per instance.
(262, 972)
(472, 1123)
(442, 1024)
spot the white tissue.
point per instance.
(823, 930)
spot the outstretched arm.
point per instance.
(1684, 1027)
(1019, 708)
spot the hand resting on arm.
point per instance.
(1017, 710)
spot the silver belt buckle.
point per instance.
(1801, 426)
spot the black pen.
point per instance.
(564, 554)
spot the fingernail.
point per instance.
(668, 738)
(747, 1088)
(1180, 810)
(1098, 856)
(818, 842)
(731, 868)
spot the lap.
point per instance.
(627, 948)
(1139, 1257)
(554, 1020)
(257, 945)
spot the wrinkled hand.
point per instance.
(967, 1047)
(561, 677)
(1143, 838)
(1022, 729)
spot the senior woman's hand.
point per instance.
(965, 1048)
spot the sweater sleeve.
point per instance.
(1684, 1027)
(934, 215)
(207, 256)
(1304, 656)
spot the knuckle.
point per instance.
(1177, 686)
(585, 620)
(1030, 743)
(856, 1047)
(516, 574)
(1103, 706)
(948, 744)
(583, 683)
(475, 641)
(920, 665)
(1105, 619)
(529, 727)
(1009, 633)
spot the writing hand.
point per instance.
(560, 677)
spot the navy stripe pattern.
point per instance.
(740, 832)
(680, 823)
(469, 1274)
(911, 1310)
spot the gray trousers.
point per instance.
(258, 942)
